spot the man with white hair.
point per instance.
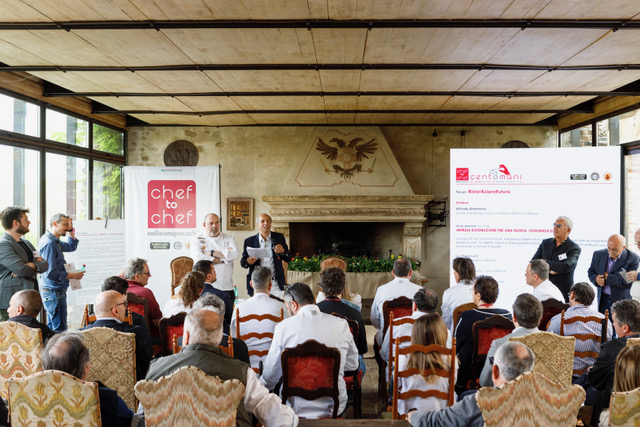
(278, 253)
(202, 335)
(561, 253)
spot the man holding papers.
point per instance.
(268, 249)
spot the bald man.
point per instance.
(110, 311)
(608, 272)
(24, 308)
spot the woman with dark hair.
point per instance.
(464, 273)
(485, 294)
(190, 289)
(626, 377)
(429, 329)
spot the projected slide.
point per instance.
(504, 203)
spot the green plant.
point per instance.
(361, 264)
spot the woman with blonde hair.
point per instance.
(626, 377)
(190, 290)
(427, 330)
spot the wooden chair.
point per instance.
(113, 361)
(554, 355)
(88, 319)
(550, 308)
(180, 266)
(585, 337)
(20, 349)
(623, 409)
(449, 397)
(353, 379)
(459, 310)
(258, 336)
(139, 305)
(53, 398)
(392, 323)
(334, 261)
(484, 333)
(170, 327)
(228, 350)
(531, 400)
(311, 371)
(189, 397)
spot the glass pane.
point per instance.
(580, 137)
(109, 140)
(620, 129)
(608, 132)
(19, 116)
(67, 129)
(632, 198)
(107, 195)
(67, 183)
(21, 185)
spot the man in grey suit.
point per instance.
(527, 312)
(20, 263)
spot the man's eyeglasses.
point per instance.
(558, 225)
(125, 304)
(148, 273)
(290, 295)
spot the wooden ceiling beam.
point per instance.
(109, 110)
(611, 24)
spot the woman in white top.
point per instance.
(464, 273)
(190, 289)
(428, 329)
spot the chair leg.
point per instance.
(382, 378)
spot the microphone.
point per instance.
(273, 248)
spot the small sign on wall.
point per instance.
(240, 213)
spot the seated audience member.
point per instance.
(429, 329)
(424, 301)
(580, 298)
(512, 360)
(202, 335)
(110, 310)
(68, 353)
(240, 350)
(307, 322)
(332, 281)
(464, 273)
(626, 377)
(120, 285)
(626, 323)
(537, 276)
(24, 308)
(485, 293)
(260, 303)
(190, 290)
(400, 286)
(352, 300)
(527, 312)
(137, 273)
(206, 267)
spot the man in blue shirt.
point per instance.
(55, 280)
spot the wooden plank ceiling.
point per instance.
(289, 62)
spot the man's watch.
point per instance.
(211, 252)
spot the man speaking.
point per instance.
(561, 253)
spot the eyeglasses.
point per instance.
(558, 225)
(148, 273)
(125, 304)
(290, 295)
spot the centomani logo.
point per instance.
(500, 173)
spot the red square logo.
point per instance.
(171, 204)
(462, 174)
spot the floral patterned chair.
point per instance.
(190, 397)
(531, 400)
(113, 361)
(20, 348)
(53, 398)
(554, 355)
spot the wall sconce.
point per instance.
(434, 134)
(436, 213)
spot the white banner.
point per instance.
(504, 203)
(164, 206)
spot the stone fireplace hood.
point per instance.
(408, 210)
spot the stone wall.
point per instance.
(257, 161)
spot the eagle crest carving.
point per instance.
(345, 158)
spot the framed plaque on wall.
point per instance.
(240, 213)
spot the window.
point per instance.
(619, 129)
(19, 116)
(580, 137)
(107, 190)
(67, 129)
(67, 186)
(108, 140)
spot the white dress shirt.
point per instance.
(547, 290)
(454, 297)
(417, 382)
(260, 303)
(398, 287)
(267, 407)
(310, 323)
(173, 307)
(201, 247)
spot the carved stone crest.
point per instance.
(181, 153)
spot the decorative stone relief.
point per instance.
(181, 153)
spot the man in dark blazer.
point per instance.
(110, 311)
(279, 253)
(561, 253)
(608, 272)
(24, 308)
(20, 263)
